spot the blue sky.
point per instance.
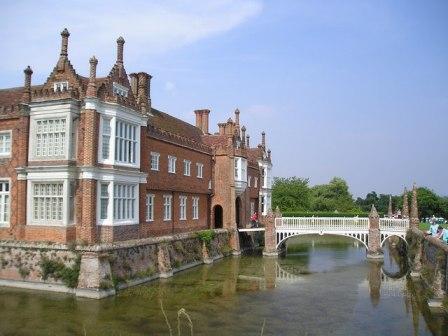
(355, 88)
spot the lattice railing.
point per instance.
(322, 223)
(392, 224)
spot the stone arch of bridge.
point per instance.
(385, 236)
(283, 237)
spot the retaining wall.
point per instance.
(97, 271)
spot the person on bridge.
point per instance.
(443, 234)
(433, 229)
(254, 219)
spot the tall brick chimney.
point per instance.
(64, 49)
(134, 84)
(222, 128)
(143, 91)
(120, 47)
(91, 87)
(26, 98)
(64, 43)
(263, 139)
(237, 117)
(202, 121)
(198, 118)
(205, 115)
(243, 136)
(247, 141)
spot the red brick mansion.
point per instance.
(88, 159)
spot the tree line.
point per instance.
(294, 194)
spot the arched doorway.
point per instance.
(217, 210)
(237, 212)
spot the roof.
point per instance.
(253, 154)
(13, 96)
(213, 140)
(174, 125)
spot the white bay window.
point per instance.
(119, 142)
(4, 203)
(117, 203)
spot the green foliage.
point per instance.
(324, 214)
(206, 236)
(332, 196)
(291, 193)
(58, 270)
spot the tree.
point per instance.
(430, 204)
(333, 196)
(291, 194)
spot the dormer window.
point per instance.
(120, 90)
(60, 86)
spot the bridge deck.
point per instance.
(251, 230)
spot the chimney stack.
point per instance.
(64, 45)
(143, 91)
(247, 141)
(91, 87)
(26, 98)
(198, 118)
(243, 136)
(222, 128)
(120, 46)
(205, 115)
(237, 117)
(134, 84)
(263, 139)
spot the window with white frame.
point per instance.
(50, 138)
(4, 203)
(167, 206)
(124, 201)
(125, 142)
(120, 90)
(104, 200)
(195, 207)
(182, 207)
(171, 164)
(200, 168)
(149, 207)
(187, 166)
(60, 86)
(105, 134)
(48, 201)
(5, 143)
(155, 161)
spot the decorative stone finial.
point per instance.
(405, 211)
(373, 212)
(414, 207)
(247, 141)
(91, 87)
(389, 209)
(27, 85)
(263, 139)
(120, 47)
(64, 45)
(243, 136)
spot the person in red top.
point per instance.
(254, 219)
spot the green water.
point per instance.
(321, 288)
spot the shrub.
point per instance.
(24, 272)
(57, 270)
(206, 236)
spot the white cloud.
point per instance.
(149, 27)
(169, 86)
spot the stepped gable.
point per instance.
(105, 86)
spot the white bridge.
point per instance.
(355, 227)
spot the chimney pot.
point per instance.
(91, 87)
(64, 45)
(120, 46)
(237, 116)
(247, 141)
(263, 139)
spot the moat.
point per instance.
(323, 286)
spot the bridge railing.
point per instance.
(322, 223)
(392, 224)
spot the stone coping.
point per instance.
(432, 240)
(104, 246)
